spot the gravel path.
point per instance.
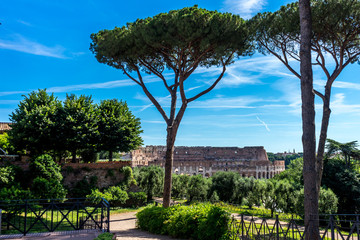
(125, 229)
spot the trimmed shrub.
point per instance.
(115, 195)
(47, 189)
(105, 236)
(198, 221)
(45, 167)
(136, 199)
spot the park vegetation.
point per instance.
(180, 41)
(77, 127)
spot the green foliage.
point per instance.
(218, 34)
(328, 202)
(45, 167)
(198, 188)
(345, 183)
(34, 125)
(214, 197)
(199, 221)
(119, 129)
(180, 185)
(115, 195)
(105, 236)
(128, 177)
(14, 192)
(83, 187)
(43, 188)
(136, 199)
(78, 123)
(7, 176)
(118, 196)
(5, 143)
(151, 181)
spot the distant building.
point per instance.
(247, 161)
(4, 127)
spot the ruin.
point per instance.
(247, 161)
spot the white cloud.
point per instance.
(223, 102)
(78, 87)
(12, 93)
(245, 8)
(338, 106)
(22, 44)
(24, 23)
(263, 123)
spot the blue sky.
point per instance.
(45, 44)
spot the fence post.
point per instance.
(26, 208)
(108, 217)
(102, 213)
(357, 227)
(77, 215)
(52, 217)
(332, 226)
(242, 226)
(0, 219)
(277, 226)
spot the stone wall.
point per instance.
(106, 173)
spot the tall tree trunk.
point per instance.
(110, 156)
(169, 156)
(308, 122)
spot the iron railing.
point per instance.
(53, 215)
(332, 227)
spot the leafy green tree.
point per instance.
(78, 124)
(348, 150)
(119, 129)
(328, 202)
(34, 123)
(279, 195)
(180, 185)
(180, 41)
(345, 183)
(151, 180)
(257, 194)
(198, 188)
(327, 28)
(225, 184)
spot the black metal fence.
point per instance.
(334, 227)
(37, 216)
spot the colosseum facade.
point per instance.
(247, 161)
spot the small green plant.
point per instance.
(110, 173)
(115, 195)
(105, 236)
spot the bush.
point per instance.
(115, 195)
(45, 167)
(14, 192)
(198, 221)
(118, 196)
(84, 187)
(48, 189)
(136, 199)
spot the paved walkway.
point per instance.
(125, 229)
(123, 226)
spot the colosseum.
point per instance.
(247, 161)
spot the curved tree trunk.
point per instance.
(323, 135)
(308, 122)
